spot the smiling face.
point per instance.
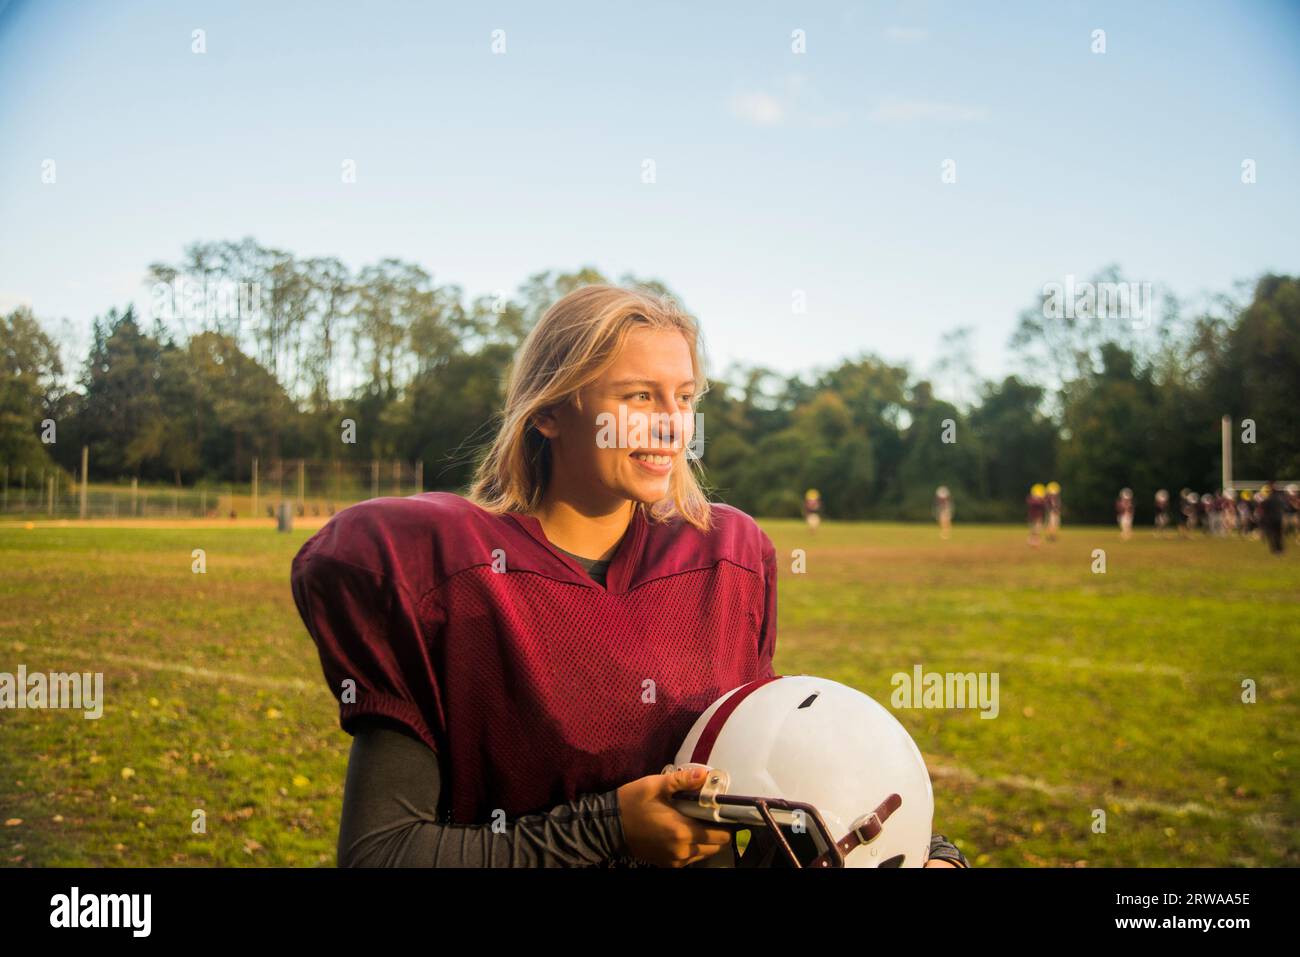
(628, 431)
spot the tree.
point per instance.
(120, 416)
(29, 372)
(1016, 438)
(242, 410)
(1059, 339)
(956, 365)
(1106, 419)
(939, 448)
(1257, 376)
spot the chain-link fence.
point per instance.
(311, 487)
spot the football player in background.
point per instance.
(1124, 513)
(1053, 510)
(943, 511)
(1036, 506)
(1162, 512)
(514, 665)
(1245, 514)
(812, 508)
(1272, 516)
(1228, 510)
(1187, 503)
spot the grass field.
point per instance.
(1119, 691)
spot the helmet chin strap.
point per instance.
(864, 831)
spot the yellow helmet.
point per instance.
(1245, 495)
(812, 493)
(1038, 490)
(1053, 487)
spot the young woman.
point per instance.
(515, 665)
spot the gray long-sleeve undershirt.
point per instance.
(390, 817)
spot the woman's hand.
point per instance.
(656, 832)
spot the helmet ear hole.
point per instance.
(895, 861)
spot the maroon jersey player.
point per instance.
(1162, 511)
(1124, 513)
(543, 645)
(1036, 507)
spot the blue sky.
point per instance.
(775, 171)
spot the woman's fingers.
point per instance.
(702, 833)
(655, 828)
(700, 852)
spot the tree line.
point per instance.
(250, 351)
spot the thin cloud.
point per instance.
(758, 109)
(796, 102)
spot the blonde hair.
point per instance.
(577, 339)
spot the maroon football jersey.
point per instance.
(533, 683)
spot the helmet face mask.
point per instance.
(821, 774)
(795, 830)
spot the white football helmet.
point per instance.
(833, 775)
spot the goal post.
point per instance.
(1226, 482)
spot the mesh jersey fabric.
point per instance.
(533, 683)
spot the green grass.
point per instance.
(1119, 692)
